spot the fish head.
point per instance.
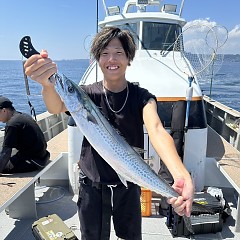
(72, 95)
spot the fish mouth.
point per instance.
(58, 79)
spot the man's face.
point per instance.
(3, 115)
(113, 61)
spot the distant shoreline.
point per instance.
(77, 59)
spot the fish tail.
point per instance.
(196, 208)
(188, 224)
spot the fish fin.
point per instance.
(118, 132)
(139, 150)
(123, 180)
(91, 118)
(188, 224)
(102, 112)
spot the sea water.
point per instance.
(225, 82)
(225, 86)
(13, 86)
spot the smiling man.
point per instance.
(127, 107)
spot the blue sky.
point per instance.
(64, 27)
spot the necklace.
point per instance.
(105, 93)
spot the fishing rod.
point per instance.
(97, 18)
(194, 57)
(194, 52)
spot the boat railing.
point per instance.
(50, 124)
(224, 120)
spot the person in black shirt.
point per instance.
(24, 134)
(127, 107)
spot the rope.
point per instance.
(111, 188)
(32, 110)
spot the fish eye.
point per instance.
(70, 87)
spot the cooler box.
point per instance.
(52, 227)
(201, 222)
(146, 202)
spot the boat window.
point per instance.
(133, 28)
(160, 36)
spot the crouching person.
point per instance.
(23, 134)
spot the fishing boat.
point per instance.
(209, 131)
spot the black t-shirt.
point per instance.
(23, 133)
(128, 122)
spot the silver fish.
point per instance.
(112, 147)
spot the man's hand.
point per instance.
(39, 68)
(183, 204)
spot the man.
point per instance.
(127, 107)
(23, 134)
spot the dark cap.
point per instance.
(5, 102)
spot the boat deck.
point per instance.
(59, 200)
(227, 157)
(153, 227)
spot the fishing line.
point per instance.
(32, 110)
